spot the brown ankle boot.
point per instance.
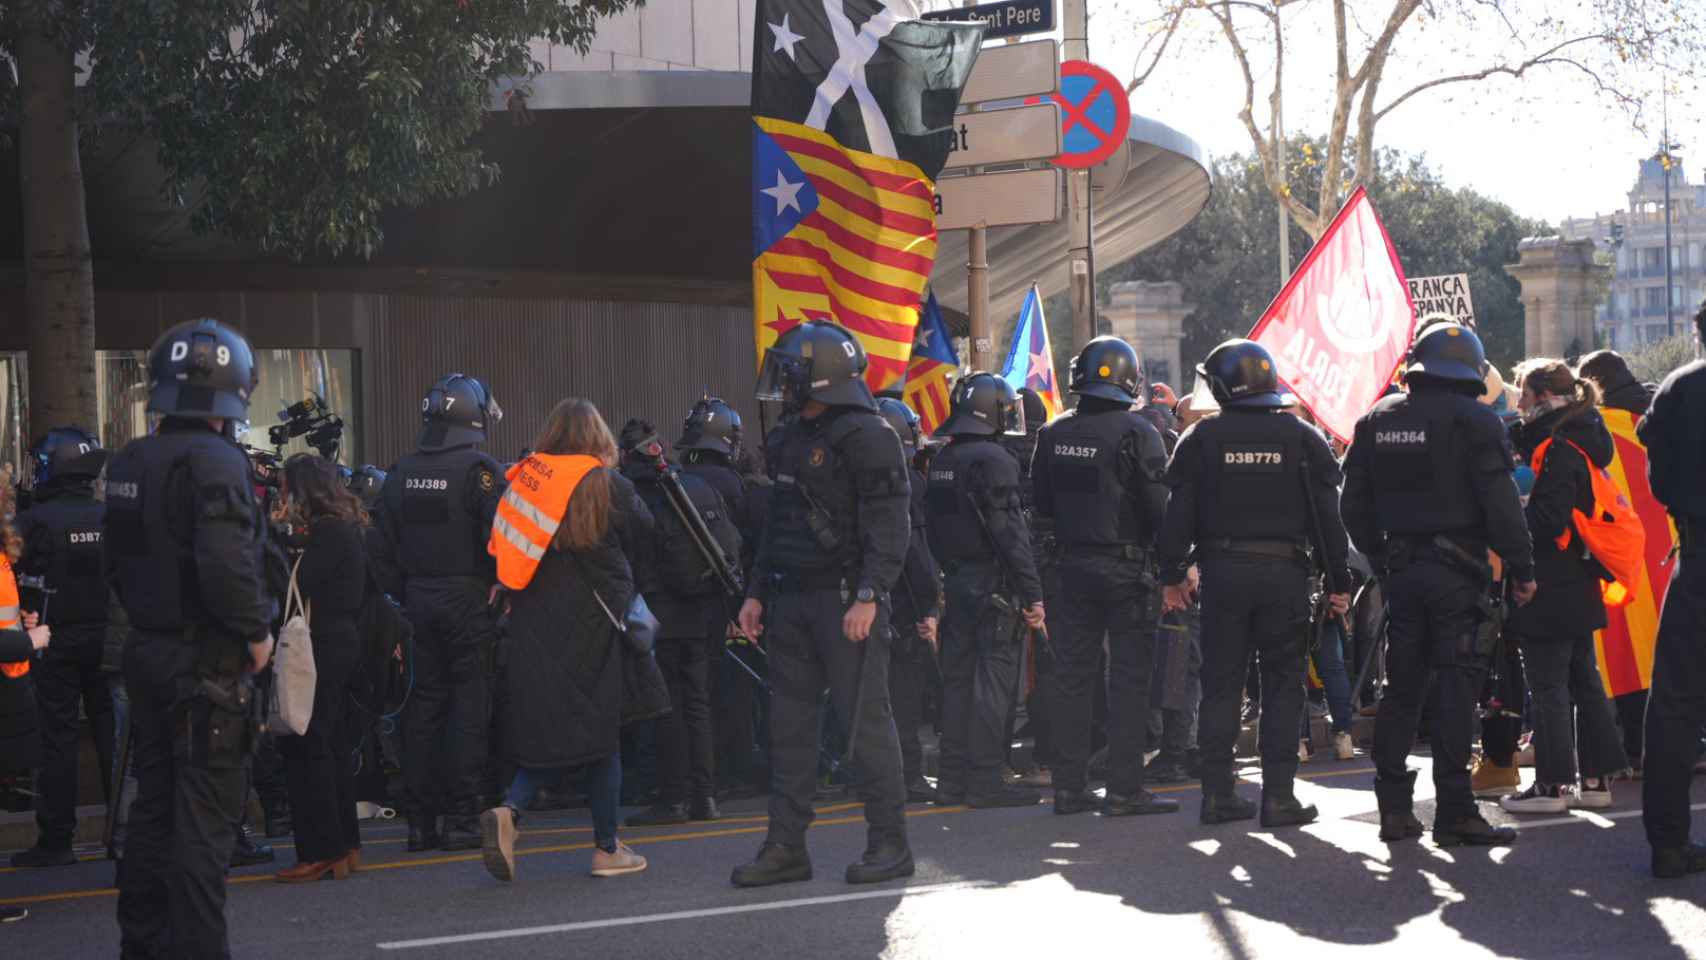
(309, 872)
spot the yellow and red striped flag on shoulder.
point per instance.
(843, 204)
(1625, 646)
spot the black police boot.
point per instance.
(1164, 770)
(1472, 831)
(1287, 811)
(246, 852)
(1676, 862)
(775, 863)
(886, 859)
(1225, 808)
(1005, 795)
(1069, 802)
(919, 790)
(44, 857)
(1398, 827)
(1141, 803)
(660, 815)
(705, 809)
(461, 832)
(949, 794)
(423, 834)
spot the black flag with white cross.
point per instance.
(865, 72)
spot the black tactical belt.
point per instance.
(1277, 549)
(1124, 551)
(796, 581)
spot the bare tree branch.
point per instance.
(1272, 175)
(1545, 57)
(1166, 37)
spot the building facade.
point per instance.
(1633, 311)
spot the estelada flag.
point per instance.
(1625, 646)
(852, 106)
(1030, 362)
(929, 374)
(1342, 323)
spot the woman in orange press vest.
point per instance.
(1571, 716)
(20, 639)
(560, 698)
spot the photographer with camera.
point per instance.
(435, 512)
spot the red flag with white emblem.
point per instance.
(1343, 322)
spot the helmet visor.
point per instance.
(782, 377)
(1015, 420)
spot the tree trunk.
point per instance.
(59, 276)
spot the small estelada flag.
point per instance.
(1342, 323)
(852, 108)
(929, 375)
(1030, 361)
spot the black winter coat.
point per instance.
(566, 680)
(1568, 600)
(20, 733)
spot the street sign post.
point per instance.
(1013, 71)
(998, 199)
(1006, 136)
(1004, 19)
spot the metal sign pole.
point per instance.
(1076, 46)
(977, 287)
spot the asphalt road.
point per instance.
(990, 884)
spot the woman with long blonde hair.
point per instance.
(560, 697)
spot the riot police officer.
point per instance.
(1428, 489)
(1098, 473)
(833, 544)
(182, 539)
(978, 533)
(917, 612)
(1674, 432)
(1255, 491)
(435, 515)
(710, 448)
(63, 581)
(683, 592)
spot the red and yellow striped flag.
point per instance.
(1625, 646)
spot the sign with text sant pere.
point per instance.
(1004, 19)
(1012, 71)
(1446, 295)
(998, 199)
(1005, 136)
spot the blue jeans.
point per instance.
(1330, 664)
(603, 784)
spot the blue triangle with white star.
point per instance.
(782, 194)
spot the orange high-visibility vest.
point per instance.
(9, 616)
(531, 511)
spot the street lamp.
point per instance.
(1667, 159)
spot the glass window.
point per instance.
(121, 396)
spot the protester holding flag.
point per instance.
(1427, 490)
(1555, 632)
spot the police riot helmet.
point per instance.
(456, 412)
(1036, 409)
(1240, 373)
(816, 361)
(904, 421)
(1449, 351)
(1108, 368)
(984, 405)
(66, 451)
(366, 482)
(711, 425)
(201, 368)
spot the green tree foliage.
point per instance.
(1228, 257)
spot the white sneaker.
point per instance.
(1593, 794)
(1539, 798)
(1344, 747)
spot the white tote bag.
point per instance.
(291, 704)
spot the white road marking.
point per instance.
(1593, 817)
(896, 893)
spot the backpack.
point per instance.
(1613, 536)
(379, 685)
(681, 568)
